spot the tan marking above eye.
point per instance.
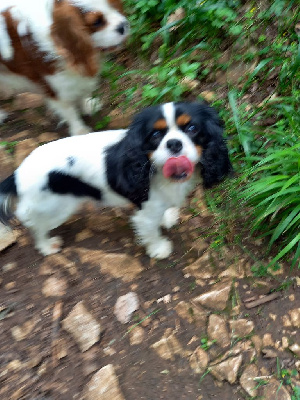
(183, 119)
(160, 124)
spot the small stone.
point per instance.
(23, 149)
(217, 330)
(9, 267)
(21, 332)
(295, 317)
(241, 327)
(14, 365)
(54, 287)
(286, 321)
(10, 285)
(269, 353)
(275, 387)
(168, 346)
(104, 385)
(216, 298)
(125, 307)
(267, 340)
(176, 16)
(234, 271)
(285, 342)
(292, 297)
(136, 336)
(228, 369)
(208, 95)
(85, 234)
(82, 326)
(7, 237)
(247, 380)
(295, 348)
(199, 361)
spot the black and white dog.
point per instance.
(154, 164)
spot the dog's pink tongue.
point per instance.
(178, 168)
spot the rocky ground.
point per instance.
(102, 321)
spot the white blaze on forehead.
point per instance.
(6, 49)
(168, 110)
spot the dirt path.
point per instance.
(191, 335)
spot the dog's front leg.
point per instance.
(68, 113)
(147, 222)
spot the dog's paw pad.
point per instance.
(160, 250)
(170, 217)
(51, 246)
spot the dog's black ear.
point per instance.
(128, 166)
(215, 161)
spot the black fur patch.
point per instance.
(62, 183)
(8, 186)
(71, 161)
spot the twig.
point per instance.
(56, 316)
(262, 300)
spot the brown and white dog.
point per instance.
(51, 47)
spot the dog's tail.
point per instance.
(8, 190)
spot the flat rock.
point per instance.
(119, 119)
(217, 297)
(202, 268)
(104, 385)
(247, 380)
(125, 307)
(199, 360)
(23, 149)
(217, 330)
(54, 287)
(241, 327)
(7, 237)
(82, 326)
(121, 266)
(194, 314)
(21, 332)
(168, 346)
(228, 369)
(136, 335)
(275, 387)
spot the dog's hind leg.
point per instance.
(41, 217)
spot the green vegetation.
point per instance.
(244, 58)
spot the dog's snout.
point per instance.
(123, 28)
(174, 145)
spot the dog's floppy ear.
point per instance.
(72, 39)
(128, 165)
(215, 160)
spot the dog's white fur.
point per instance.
(42, 211)
(73, 91)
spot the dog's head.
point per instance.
(171, 139)
(83, 27)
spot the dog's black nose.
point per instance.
(174, 145)
(123, 28)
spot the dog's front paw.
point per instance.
(160, 249)
(91, 105)
(81, 129)
(50, 246)
(170, 217)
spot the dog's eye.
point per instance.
(157, 135)
(191, 130)
(99, 22)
